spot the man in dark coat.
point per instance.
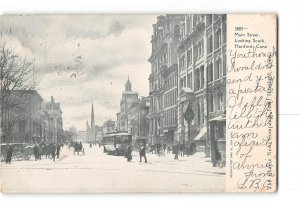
(58, 151)
(52, 151)
(10, 150)
(176, 151)
(143, 153)
(36, 152)
(128, 153)
(182, 148)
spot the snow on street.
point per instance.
(96, 172)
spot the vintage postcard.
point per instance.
(161, 103)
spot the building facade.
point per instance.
(202, 76)
(138, 118)
(129, 98)
(52, 124)
(163, 78)
(31, 120)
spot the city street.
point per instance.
(97, 172)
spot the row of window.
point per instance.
(162, 60)
(216, 102)
(193, 20)
(215, 72)
(170, 117)
(170, 98)
(171, 82)
(186, 59)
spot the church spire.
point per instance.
(128, 85)
(92, 124)
(92, 117)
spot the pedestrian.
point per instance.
(58, 151)
(128, 153)
(9, 153)
(182, 148)
(165, 147)
(176, 150)
(168, 149)
(36, 152)
(53, 151)
(143, 153)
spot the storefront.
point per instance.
(217, 135)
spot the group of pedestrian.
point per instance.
(179, 148)
(142, 153)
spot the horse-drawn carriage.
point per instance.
(21, 151)
(78, 148)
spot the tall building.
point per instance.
(202, 76)
(52, 119)
(129, 97)
(163, 79)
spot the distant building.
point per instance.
(52, 124)
(128, 99)
(138, 120)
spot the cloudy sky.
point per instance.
(80, 59)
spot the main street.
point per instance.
(97, 172)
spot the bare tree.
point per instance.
(16, 74)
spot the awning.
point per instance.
(219, 118)
(202, 134)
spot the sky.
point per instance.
(83, 59)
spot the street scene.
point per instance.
(113, 103)
(105, 173)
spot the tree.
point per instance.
(16, 74)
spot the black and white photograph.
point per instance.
(138, 103)
(113, 103)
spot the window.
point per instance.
(208, 19)
(188, 23)
(224, 64)
(209, 44)
(197, 79)
(176, 30)
(220, 101)
(211, 103)
(196, 51)
(201, 47)
(224, 34)
(218, 39)
(210, 72)
(189, 57)
(189, 80)
(182, 31)
(202, 77)
(217, 68)
(182, 63)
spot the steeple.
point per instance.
(92, 117)
(128, 85)
(92, 134)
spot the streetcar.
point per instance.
(116, 143)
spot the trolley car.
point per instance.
(116, 143)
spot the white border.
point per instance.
(289, 97)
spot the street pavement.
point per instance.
(97, 172)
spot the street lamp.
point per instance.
(189, 116)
